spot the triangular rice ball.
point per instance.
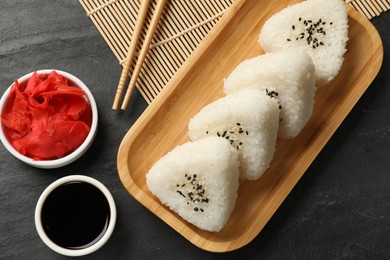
(199, 181)
(249, 121)
(286, 75)
(318, 26)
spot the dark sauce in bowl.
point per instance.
(75, 215)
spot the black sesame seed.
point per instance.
(293, 27)
(178, 191)
(196, 209)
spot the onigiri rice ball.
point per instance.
(320, 27)
(287, 76)
(199, 181)
(248, 120)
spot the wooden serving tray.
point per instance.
(163, 125)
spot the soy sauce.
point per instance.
(75, 215)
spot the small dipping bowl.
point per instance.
(55, 163)
(75, 215)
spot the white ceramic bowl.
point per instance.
(75, 252)
(49, 164)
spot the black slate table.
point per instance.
(340, 209)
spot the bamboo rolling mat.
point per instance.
(183, 26)
(370, 8)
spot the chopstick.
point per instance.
(130, 53)
(144, 51)
(141, 57)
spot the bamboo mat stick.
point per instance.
(144, 51)
(130, 54)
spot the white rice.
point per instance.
(290, 74)
(251, 119)
(283, 30)
(215, 164)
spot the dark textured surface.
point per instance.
(340, 209)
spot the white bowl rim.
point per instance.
(93, 247)
(49, 164)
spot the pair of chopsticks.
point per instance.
(141, 57)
